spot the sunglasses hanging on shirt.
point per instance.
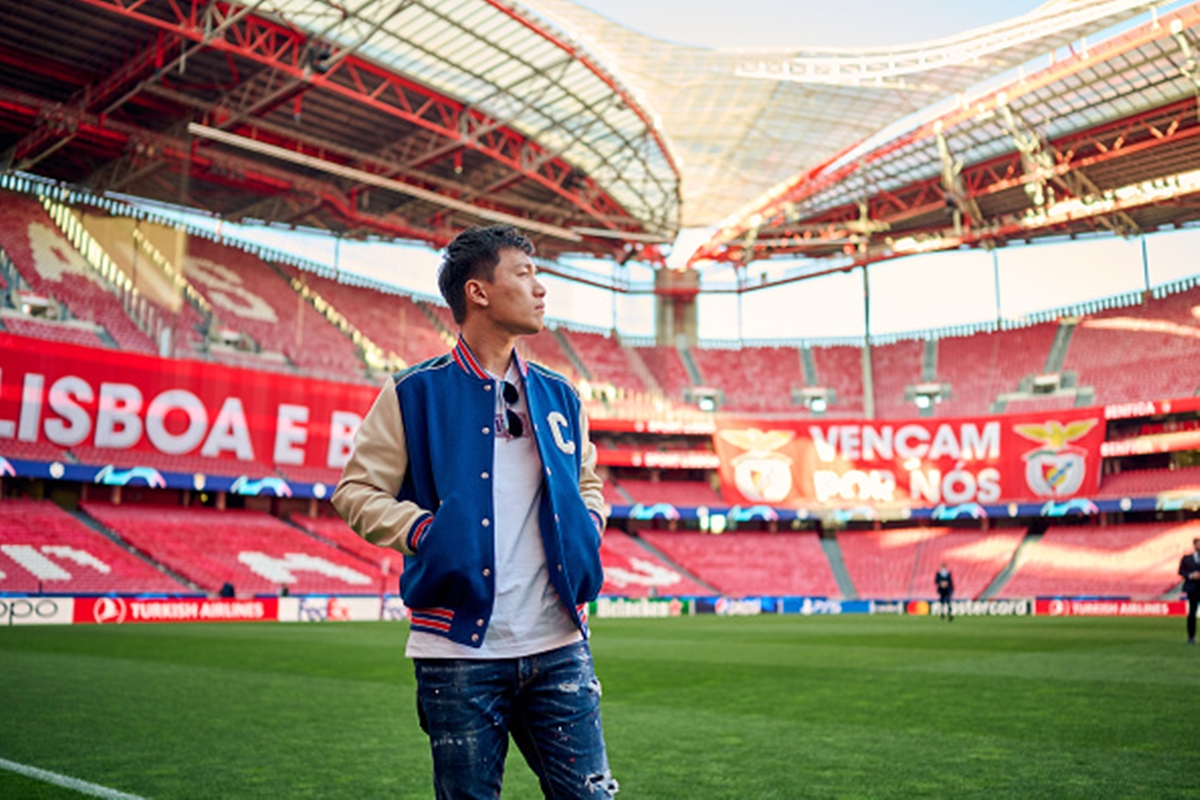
(511, 420)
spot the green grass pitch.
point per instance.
(701, 707)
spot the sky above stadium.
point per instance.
(786, 23)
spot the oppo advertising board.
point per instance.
(926, 462)
(67, 396)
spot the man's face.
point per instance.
(1196, 545)
(515, 298)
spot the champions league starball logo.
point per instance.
(760, 474)
(1056, 469)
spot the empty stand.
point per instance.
(43, 548)
(753, 379)
(1145, 352)
(900, 563)
(631, 570)
(984, 365)
(974, 558)
(894, 367)
(64, 332)
(1142, 483)
(254, 551)
(392, 321)
(882, 564)
(337, 532)
(749, 563)
(49, 263)
(31, 451)
(683, 494)
(1036, 404)
(249, 295)
(1138, 561)
(667, 368)
(840, 369)
(605, 359)
(545, 350)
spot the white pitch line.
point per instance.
(83, 787)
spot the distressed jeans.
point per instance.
(549, 703)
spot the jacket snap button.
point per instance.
(487, 388)
(484, 475)
(560, 567)
(486, 572)
(486, 431)
(479, 622)
(474, 637)
(487, 522)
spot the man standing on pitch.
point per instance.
(945, 590)
(477, 466)
(1189, 570)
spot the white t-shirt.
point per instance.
(528, 616)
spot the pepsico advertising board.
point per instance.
(925, 462)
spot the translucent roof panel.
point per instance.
(518, 70)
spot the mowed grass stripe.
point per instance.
(701, 707)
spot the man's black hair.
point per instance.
(474, 253)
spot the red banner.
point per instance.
(117, 610)
(926, 462)
(1111, 608)
(70, 396)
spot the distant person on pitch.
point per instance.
(1189, 569)
(945, 590)
(476, 465)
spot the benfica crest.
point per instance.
(760, 474)
(1056, 469)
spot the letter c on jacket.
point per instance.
(557, 423)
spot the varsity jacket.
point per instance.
(420, 482)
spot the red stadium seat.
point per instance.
(43, 548)
(749, 563)
(254, 551)
(900, 563)
(1136, 560)
(49, 263)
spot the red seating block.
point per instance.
(631, 570)
(1137, 561)
(255, 552)
(44, 548)
(749, 563)
(753, 379)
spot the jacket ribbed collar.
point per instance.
(469, 364)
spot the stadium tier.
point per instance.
(894, 367)
(753, 379)
(900, 563)
(749, 563)
(43, 549)
(631, 570)
(1139, 352)
(395, 323)
(683, 494)
(666, 366)
(1139, 561)
(66, 332)
(606, 359)
(52, 267)
(1149, 482)
(169, 463)
(840, 370)
(255, 552)
(249, 296)
(545, 349)
(975, 558)
(337, 532)
(980, 367)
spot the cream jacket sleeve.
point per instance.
(590, 485)
(366, 494)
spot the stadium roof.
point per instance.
(408, 118)
(742, 121)
(1107, 138)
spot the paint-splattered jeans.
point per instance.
(549, 703)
